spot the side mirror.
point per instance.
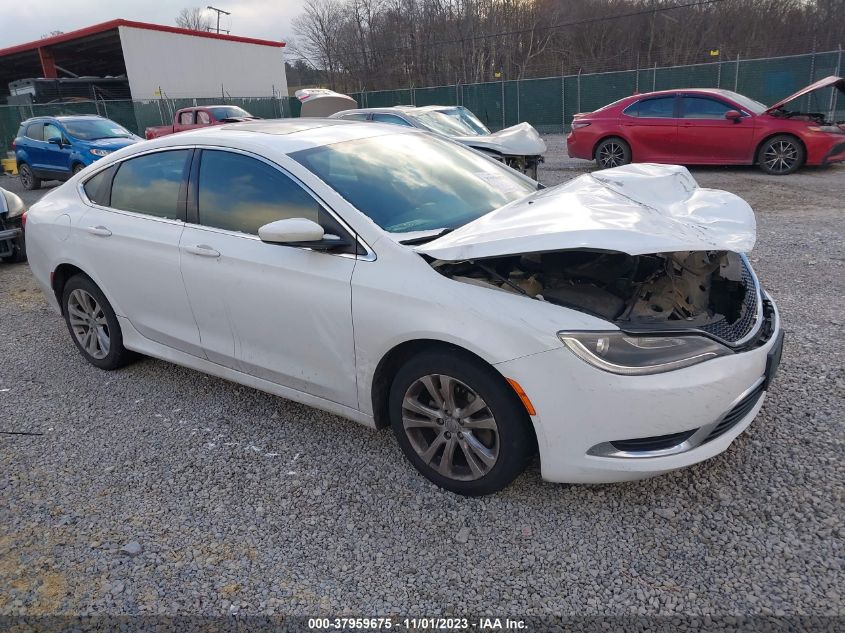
(291, 231)
(733, 115)
(55, 140)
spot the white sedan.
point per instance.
(398, 278)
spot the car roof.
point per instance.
(711, 91)
(271, 137)
(63, 117)
(401, 108)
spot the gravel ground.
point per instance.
(159, 490)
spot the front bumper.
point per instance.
(581, 410)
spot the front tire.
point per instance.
(78, 167)
(781, 155)
(93, 325)
(459, 422)
(612, 152)
(28, 179)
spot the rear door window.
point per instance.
(656, 108)
(150, 184)
(35, 131)
(186, 118)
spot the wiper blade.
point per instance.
(414, 241)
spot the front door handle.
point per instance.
(100, 231)
(203, 249)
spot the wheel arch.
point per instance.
(608, 136)
(396, 357)
(61, 275)
(756, 157)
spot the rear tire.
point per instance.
(459, 422)
(28, 178)
(93, 325)
(781, 155)
(612, 152)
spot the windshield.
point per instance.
(442, 124)
(754, 107)
(415, 182)
(466, 117)
(91, 129)
(229, 112)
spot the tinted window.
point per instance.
(414, 182)
(703, 108)
(97, 188)
(239, 193)
(391, 118)
(35, 131)
(659, 108)
(150, 184)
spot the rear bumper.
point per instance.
(582, 411)
(579, 147)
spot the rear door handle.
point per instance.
(99, 230)
(203, 249)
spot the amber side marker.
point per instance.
(522, 396)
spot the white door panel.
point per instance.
(136, 259)
(276, 312)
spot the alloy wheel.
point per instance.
(780, 156)
(88, 323)
(450, 427)
(611, 155)
(26, 177)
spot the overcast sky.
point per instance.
(29, 20)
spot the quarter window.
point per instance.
(97, 187)
(657, 108)
(239, 193)
(703, 108)
(357, 116)
(150, 184)
(391, 118)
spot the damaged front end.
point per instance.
(713, 292)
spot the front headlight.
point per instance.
(100, 152)
(633, 355)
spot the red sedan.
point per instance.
(711, 127)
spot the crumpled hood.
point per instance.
(832, 80)
(519, 140)
(636, 209)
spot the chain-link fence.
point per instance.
(548, 104)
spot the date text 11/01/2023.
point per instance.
(417, 624)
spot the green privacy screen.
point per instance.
(548, 103)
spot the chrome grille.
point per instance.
(748, 319)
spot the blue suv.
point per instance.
(56, 148)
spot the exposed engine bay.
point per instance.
(818, 118)
(664, 290)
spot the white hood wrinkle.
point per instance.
(519, 140)
(636, 209)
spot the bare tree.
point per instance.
(376, 44)
(193, 18)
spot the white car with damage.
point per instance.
(613, 323)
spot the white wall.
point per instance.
(192, 66)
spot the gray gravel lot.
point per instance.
(231, 500)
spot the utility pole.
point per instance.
(219, 11)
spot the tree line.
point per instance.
(377, 44)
